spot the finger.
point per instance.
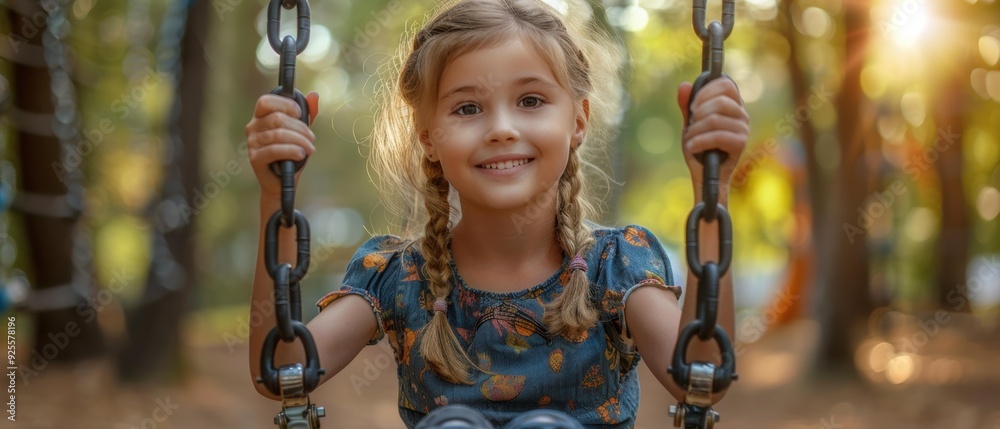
(312, 100)
(724, 87)
(279, 136)
(269, 103)
(717, 122)
(683, 97)
(277, 152)
(729, 142)
(724, 106)
(278, 120)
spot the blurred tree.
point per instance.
(51, 194)
(951, 108)
(809, 183)
(154, 343)
(800, 98)
(841, 278)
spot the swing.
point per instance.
(702, 379)
(294, 382)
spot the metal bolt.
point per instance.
(677, 412)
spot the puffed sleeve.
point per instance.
(373, 273)
(632, 258)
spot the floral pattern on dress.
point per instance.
(519, 365)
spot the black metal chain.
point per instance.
(701, 379)
(292, 382)
(65, 126)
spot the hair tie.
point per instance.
(441, 305)
(578, 264)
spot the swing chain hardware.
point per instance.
(712, 59)
(292, 382)
(696, 418)
(288, 48)
(296, 411)
(701, 380)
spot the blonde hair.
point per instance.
(580, 53)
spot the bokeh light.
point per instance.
(816, 22)
(321, 46)
(921, 224)
(993, 84)
(559, 5)
(908, 23)
(656, 135)
(988, 203)
(989, 48)
(631, 18)
(880, 355)
(913, 107)
(901, 368)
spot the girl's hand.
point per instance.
(720, 122)
(275, 133)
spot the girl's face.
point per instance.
(502, 127)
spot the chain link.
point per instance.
(65, 127)
(292, 382)
(701, 379)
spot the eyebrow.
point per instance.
(520, 81)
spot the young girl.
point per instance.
(500, 295)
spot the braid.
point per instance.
(571, 314)
(439, 346)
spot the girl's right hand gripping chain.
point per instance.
(275, 133)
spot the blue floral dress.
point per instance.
(592, 378)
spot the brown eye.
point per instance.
(467, 109)
(531, 102)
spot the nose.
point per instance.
(502, 127)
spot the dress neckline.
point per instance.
(553, 279)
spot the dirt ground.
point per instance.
(770, 393)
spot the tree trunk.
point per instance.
(154, 344)
(951, 107)
(807, 132)
(842, 276)
(51, 193)
(807, 180)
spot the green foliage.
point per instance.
(125, 99)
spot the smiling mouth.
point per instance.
(505, 165)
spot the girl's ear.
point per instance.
(430, 151)
(582, 118)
